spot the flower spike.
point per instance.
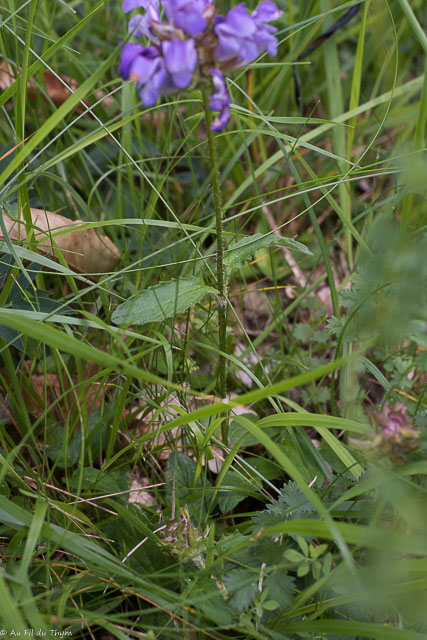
(194, 46)
(219, 101)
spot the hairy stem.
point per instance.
(220, 271)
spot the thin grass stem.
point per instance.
(220, 270)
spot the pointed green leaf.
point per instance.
(243, 250)
(293, 556)
(270, 605)
(162, 301)
(241, 586)
(303, 569)
(280, 586)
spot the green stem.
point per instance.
(220, 271)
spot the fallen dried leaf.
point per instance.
(55, 85)
(85, 250)
(215, 464)
(139, 494)
(47, 393)
(6, 76)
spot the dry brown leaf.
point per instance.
(216, 463)
(47, 389)
(85, 250)
(139, 493)
(46, 392)
(7, 76)
(143, 424)
(58, 92)
(253, 308)
(54, 84)
(250, 360)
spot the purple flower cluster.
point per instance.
(193, 46)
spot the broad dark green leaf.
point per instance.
(234, 489)
(65, 452)
(179, 476)
(103, 483)
(209, 599)
(280, 587)
(162, 301)
(241, 586)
